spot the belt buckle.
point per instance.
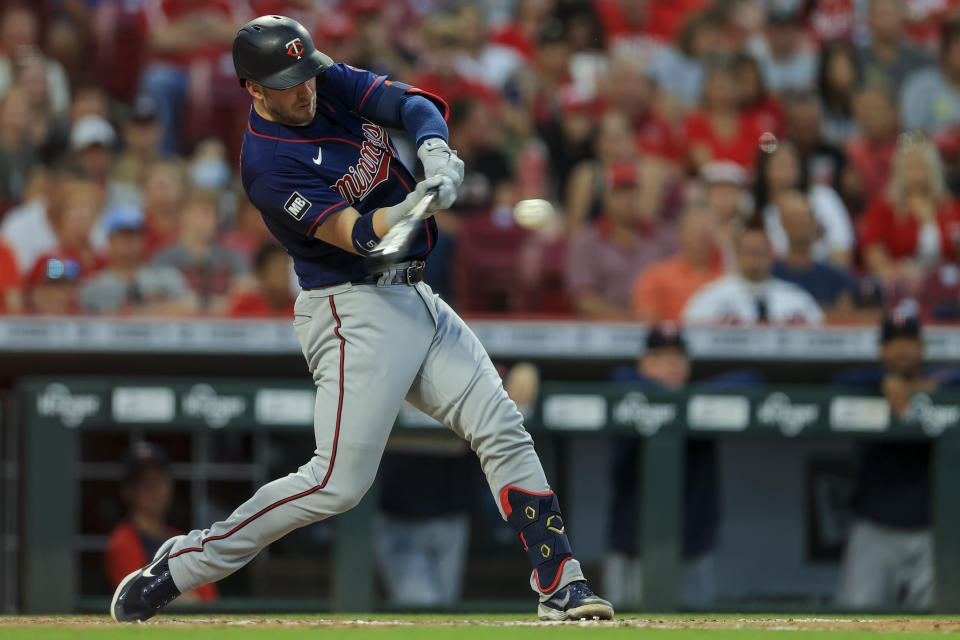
(414, 273)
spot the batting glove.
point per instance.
(439, 159)
(446, 191)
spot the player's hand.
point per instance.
(438, 158)
(446, 191)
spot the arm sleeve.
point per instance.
(289, 199)
(391, 104)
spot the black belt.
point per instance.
(410, 275)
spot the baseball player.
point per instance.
(319, 165)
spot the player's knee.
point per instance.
(347, 498)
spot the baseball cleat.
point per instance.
(575, 602)
(144, 592)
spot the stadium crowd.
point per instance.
(120, 124)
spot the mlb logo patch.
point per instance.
(297, 205)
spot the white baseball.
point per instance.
(533, 214)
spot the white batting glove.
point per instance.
(438, 158)
(446, 191)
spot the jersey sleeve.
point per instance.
(375, 97)
(289, 199)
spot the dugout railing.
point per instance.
(54, 412)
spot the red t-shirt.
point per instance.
(125, 554)
(741, 147)
(899, 231)
(255, 305)
(9, 275)
(873, 163)
(656, 136)
(662, 20)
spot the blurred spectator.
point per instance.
(728, 202)
(663, 288)
(929, 100)
(273, 296)
(787, 64)
(888, 561)
(164, 193)
(488, 180)
(183, 35)
(752, 295)
(51, 287)
(92, 140)
(11, 297)
(522, 31)
(28, 229)
(79, 203)
(664, 366)
(870, 154)
(248, 232)
(755, 100)
(18, 148)
(141, 143)
(628, 21)
(838, 78)
(719, 130)
(490, 62)
(604, 258)
(823, 161)
(68, 43)
(147, 493)
(208, 168)
(211, 270)
(888, 58)
(630, 89)
(831, 286)
(127, 285)
(20, 40)
(613, 146)
(940, 293)
(782, 171)
(440, 72)
(915, 224)
(681, 70)
(88, 100)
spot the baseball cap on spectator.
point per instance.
(123, 217)
(665, 335)
(623, 176)
(724, 172)
(899, 324)
(144, 109)
(89, 131)
(61, 270)
(141, 456)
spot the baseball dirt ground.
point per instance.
(475, 627)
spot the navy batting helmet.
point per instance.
(277, 52)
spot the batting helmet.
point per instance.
(277, 52)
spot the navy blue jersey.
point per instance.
(298, 176)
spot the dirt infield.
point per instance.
(903, 625)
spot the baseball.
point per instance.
(533, 214)
(768, 142)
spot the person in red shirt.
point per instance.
(915, 224)
(10, 295)
(273, 296)
(755, 101)
(870, 154)
(720, 130)
(147, 492)
(521, 33)
(164, 195)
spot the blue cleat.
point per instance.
(575, 602)
(145, 591)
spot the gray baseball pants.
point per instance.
(369, 347)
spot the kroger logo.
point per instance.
(203, 402)
(56, 401)
(933, 418)
(646, 417)
(777, 410)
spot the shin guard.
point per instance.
(536, 518)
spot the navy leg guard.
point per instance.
(536, 518)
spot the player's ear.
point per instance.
(254, 89)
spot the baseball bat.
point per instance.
(396, 242)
